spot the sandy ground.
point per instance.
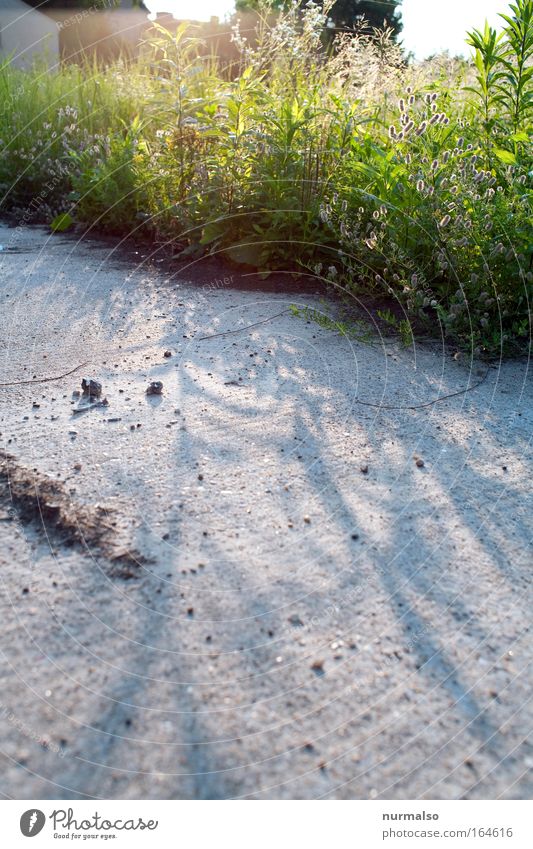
(264, 619)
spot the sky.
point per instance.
(428, 25)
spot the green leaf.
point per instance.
(244, 254)
(506, 157)
(61, 223)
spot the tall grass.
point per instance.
(409, 181)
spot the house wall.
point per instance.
(27, 34)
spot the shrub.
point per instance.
(389, 178)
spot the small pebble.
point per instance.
(295, 620)
(155, 388)
(364, 469)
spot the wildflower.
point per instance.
(412, 100)
(445, 221)
(420, 186)
(408, 127)
(401, 105)
(392, 132)
(422, 128)
(434, 164)
(434, 120)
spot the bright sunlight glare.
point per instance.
(429, 27)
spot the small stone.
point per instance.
(355, 536)
(419, 462)
(35, 405)
(167, 354)
(364, 469)
(295, 621)
(77, 467)
(91, 387)
(155, 388)
(307, 520)
(318, 667)
(200, 477)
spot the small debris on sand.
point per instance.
(91, 387)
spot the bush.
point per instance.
(409, 181)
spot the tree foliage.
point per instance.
(345, 14)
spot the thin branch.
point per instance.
(44, 379)
(241, 329)
(427, 403)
